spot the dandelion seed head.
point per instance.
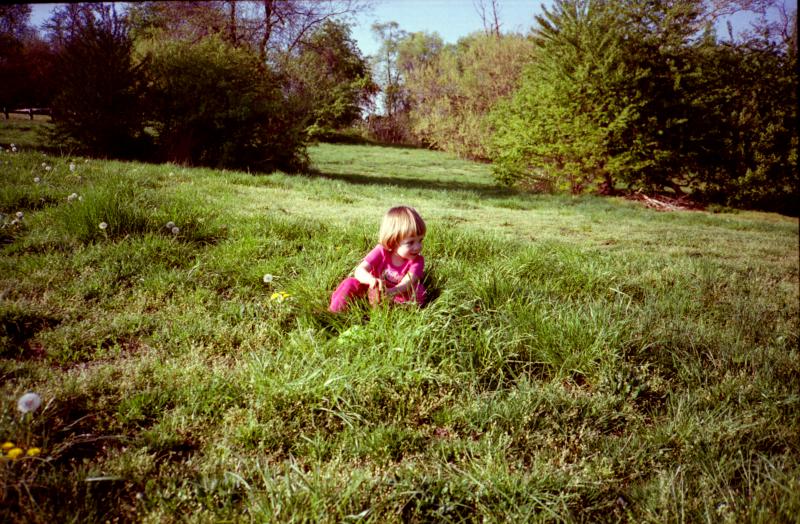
(47, 168)
(175, 230)
(103, 226)
(29, 402)
(20, 214)
(71, 167)
(72, 197)
(14, 222)
(268, 278)
(170, 225)
(44, 164)
(36, 180)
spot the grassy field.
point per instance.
(582, 359)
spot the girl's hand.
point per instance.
(375, 292)
(379, 284)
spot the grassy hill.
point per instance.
(582, 359)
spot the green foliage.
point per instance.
(637, 94)
(26, 62)
(392, 126)
(387, 71)
(215, 105)
(747, 139)
(455, 88)
(98, 105)
(562, 127)
(331, 79)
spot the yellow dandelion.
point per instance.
(7, 445)
(32, 452)
(280, 296)
(14, 453)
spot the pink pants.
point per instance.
(352, 288)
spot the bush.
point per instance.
(98, 106)
(637, 94)
(216, 105)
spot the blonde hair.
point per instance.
(398, 224)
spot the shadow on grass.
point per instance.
(359, 140)
(482, 190)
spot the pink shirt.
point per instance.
(380, 259)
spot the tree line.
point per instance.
(641, 95)
(243, 85)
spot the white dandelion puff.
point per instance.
(170, 225)
(36, 180)
(44, 164)
(71, 167)
(175, 230)
(29, 402)
(72, 197)
(20, 214)
(103, 226)
(47, 168)
(268, 278)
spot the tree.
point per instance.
(272, 28)
(387, 69)
(490, 16)
(98, 104)
(13, 29)
(331, 77)
(15, 21)
(454, 89)
(745, 134)
(561, 127)
(26, 61)
(642, 93)
(217, 105)
(189, 21)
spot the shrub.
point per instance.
(98, 103)
(216, 105)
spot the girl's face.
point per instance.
(409, 247)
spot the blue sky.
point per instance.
(452, 19)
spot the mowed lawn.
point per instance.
(580, 359)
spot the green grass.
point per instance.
(582, 359)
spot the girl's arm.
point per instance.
(363, 274)
(408, 281)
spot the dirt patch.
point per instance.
(17, 331)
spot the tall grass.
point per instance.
(579, 360)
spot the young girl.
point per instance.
(393, 268)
